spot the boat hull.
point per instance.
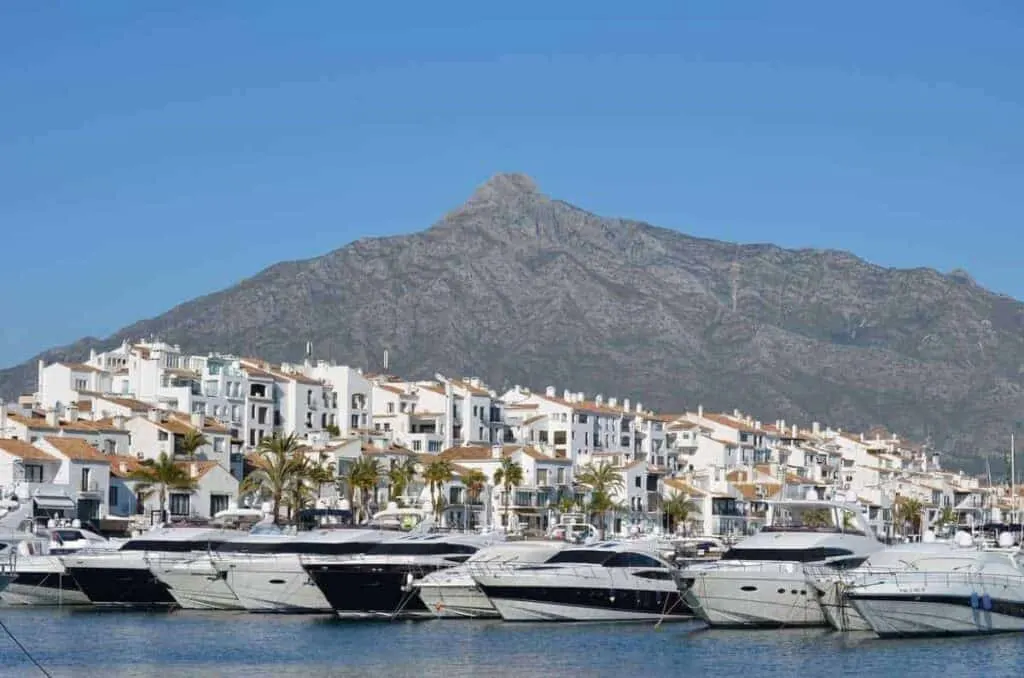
(358, 590)
(275, 584)
(751, 598)
(122, 586)
(923, 614)
(839, 613)
(582, 604)
(196, 585)
(42, 588)
(464, 600)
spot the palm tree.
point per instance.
(437, 473)
(475, 481)
(947, 517)
(509, 474)
(299, 494)
(278, 462)
(400, 476)
(363, 475)
(908, 511)
(678, 509)
(191, 442)
(321, 473)
(157, 477)
(603, 480)
(566, 504)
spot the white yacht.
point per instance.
(831, 584)
(40, 575)
(123, 577)
(957, 591)
(761, 580)
(605, 581)
(379, 581)
(264, 571)
(451, 592)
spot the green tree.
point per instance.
(603, 480)
(475, 481)
(157, 477)
(191, 442)
(679, 510)
(508, 475)
(908, 514)
(437, 473)
(363, 475)
(947, 517)
(278, 461)
(400, 476)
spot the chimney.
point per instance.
(3, 418)
(625, 404)
(736, 414)
(92, 355)
(193, 470)
(599, 399)
(496, 451)
(119, 422)
(153, 415)
(580, 397)
(795, 430)
(757, 424)
(124, 467)
(72, 412)
(815, 428)
(198, 420)
(475, 382)
(782, 425)
(567, 395)
(51, 417)
(550, 391)
(613, 402)
(862, 436)
(639, 407)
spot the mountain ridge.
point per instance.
(518, 287)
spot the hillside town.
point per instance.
(146, 430)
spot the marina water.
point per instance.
(88, 642)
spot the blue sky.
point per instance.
(151, 152)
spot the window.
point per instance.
(86, 477)
(391, 408)
(481, 434)
(112, 496)
(542, 436)
(261, 416)
(252, 437)
(180, 504)
(162, 436)
(559, 437)
(583, 419)
(218, 444)
(109, 447)
(355, 421)
(639, 481)
(218, 503)
(33, 473)
(433, 446)
(560, 475)
(629, 559)
(81, 384)
(417, 445)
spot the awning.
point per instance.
(54, 503)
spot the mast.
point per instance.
(1013, 484)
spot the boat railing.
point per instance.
(913, 579)
(581, 571)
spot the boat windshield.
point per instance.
(812, 518)
(811, 555)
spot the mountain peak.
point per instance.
(504, 186)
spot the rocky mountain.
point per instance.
(517, 287)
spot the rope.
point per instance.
(25, 650)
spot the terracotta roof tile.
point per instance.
(77, 449)
(123, 466)
(22, 450)
(81, 367)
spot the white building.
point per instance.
(85, 471)
(162, 432)
(351, 408)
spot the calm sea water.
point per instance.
(184, 643)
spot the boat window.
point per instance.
(790, 555)
(61, 536)
(653, 574)
(574, 556)
(628, 559)
(321, 548)
(169, 546)
(420, 548)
